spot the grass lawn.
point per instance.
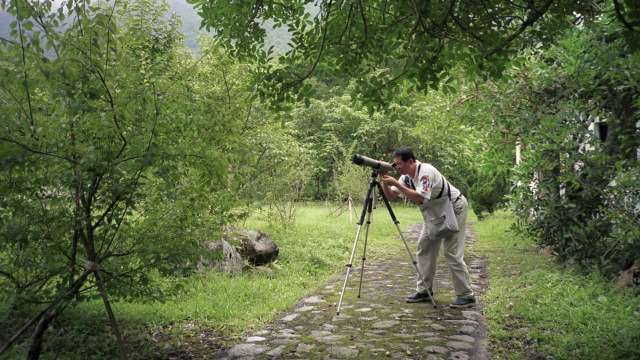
(316, 247)
(536, 308)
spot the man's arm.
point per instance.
(389, 193)
(408, 193)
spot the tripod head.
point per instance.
(377, 172)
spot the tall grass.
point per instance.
(537, 308)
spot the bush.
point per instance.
(576, 194)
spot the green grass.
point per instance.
(316, 247)
(537, 308)
(534, 307)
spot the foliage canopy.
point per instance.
(380, 43)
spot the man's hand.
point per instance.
(388, 187)
(390, 181)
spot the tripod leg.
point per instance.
(367, 201)
(396, 222)
(366, 238)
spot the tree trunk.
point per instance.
(38, 333)
(55, 304)
(107, 306)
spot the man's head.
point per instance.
(405, 161)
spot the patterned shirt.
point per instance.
(427, 181)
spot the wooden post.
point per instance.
(350, 210)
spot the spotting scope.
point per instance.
(372, 163)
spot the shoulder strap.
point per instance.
(444, 181)
(409, 182)
(412, 183)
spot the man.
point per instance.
(421, 183)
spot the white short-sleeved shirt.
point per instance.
(428, 181)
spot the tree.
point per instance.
(111, 137)
(379, 43)
(575, 192)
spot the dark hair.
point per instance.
(404, 153)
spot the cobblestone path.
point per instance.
(380, 324)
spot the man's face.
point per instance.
(403, 167)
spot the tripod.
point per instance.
(367, 208)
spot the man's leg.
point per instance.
(454, 253)
(426, 257)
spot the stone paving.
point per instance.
(380, 324)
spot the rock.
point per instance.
(304, 348)
(340, 317)
(242, 350)
(629, 277)
(365, 309)
(277, 351)
(285, 335)
(231, 261)
(281, 341)
(436, 349)
(329, 326)
(290, 317)
(465, 338)
(434, 339)
(305, 308)
(459, 345)
(458, 355)
(471, 315)
(317, 334)
(313, 300)
(343, 352)
(253, 339)
(385, 324)
(425, 334)
(438, 327)
(255, 246)
(369, 318)
(463, 322)
(467, 330)
(330, 339)
(405, 336)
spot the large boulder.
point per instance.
(255, 246)
(231, 261)
(629, 277)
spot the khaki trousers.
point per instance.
(427, 255)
